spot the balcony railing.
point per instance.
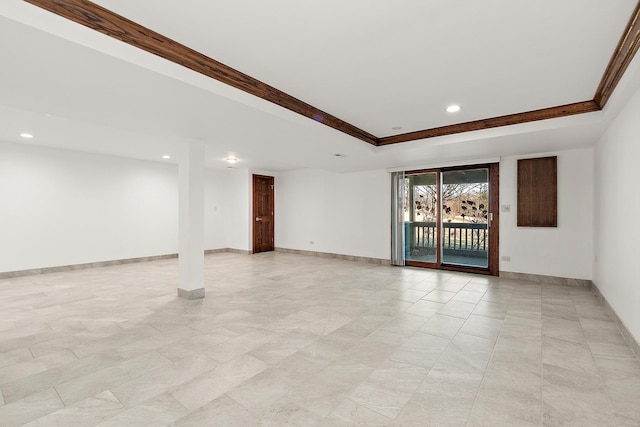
(467, 238)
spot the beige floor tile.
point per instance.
(471, 297)
(153, 384)
(411, 295)
(17, 371)
(212, 384)
(223, 412)
(50, 378)
(459, 309)
(382, 400)
(270, 385)
(80, 388)
(424, 308)
(325, 390)
(476, 286)
(88, 412)
(438, 295)
(481, 326)
(280, 348)
(288, 413)
(284, 339)
(440, 401)
(12, 357)
(493, 309)
(160, 411)
(442, 326)
(349, 412)
(508, 397)
(30, 408)
(240, 345)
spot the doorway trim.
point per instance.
(493, 222)
(263, 217)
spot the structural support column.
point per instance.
(191, 219)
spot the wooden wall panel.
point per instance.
(538, 192)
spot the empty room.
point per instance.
(347, 213)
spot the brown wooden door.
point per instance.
(263, 213)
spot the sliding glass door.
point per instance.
(421, 217)
(449, 218)
(465, 210)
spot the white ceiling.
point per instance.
(383, 63)
(375, 64)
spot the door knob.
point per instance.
(258, 219)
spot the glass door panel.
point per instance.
(421, 216)
(465, 214)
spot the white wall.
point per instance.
(350, 214)
(344, 213)
(238, 209)
(617, 195)
(565, 251)
(216, 210)
(63, 207)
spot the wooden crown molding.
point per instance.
(106, 22)
(620, 60)
(511, 119)
(93, 16)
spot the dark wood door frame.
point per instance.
(494, 223)
(493, 267)
(263, 213)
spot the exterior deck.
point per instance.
(463, 243)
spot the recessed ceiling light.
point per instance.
(453, 108)
(26, 135)
(396, 127)
(231, 160)
(166, 156)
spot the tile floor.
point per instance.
(284, 339)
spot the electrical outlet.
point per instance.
(505, 258)
(311, 242)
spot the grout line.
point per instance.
(593, 359)
(58, 394)
(125, 407)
